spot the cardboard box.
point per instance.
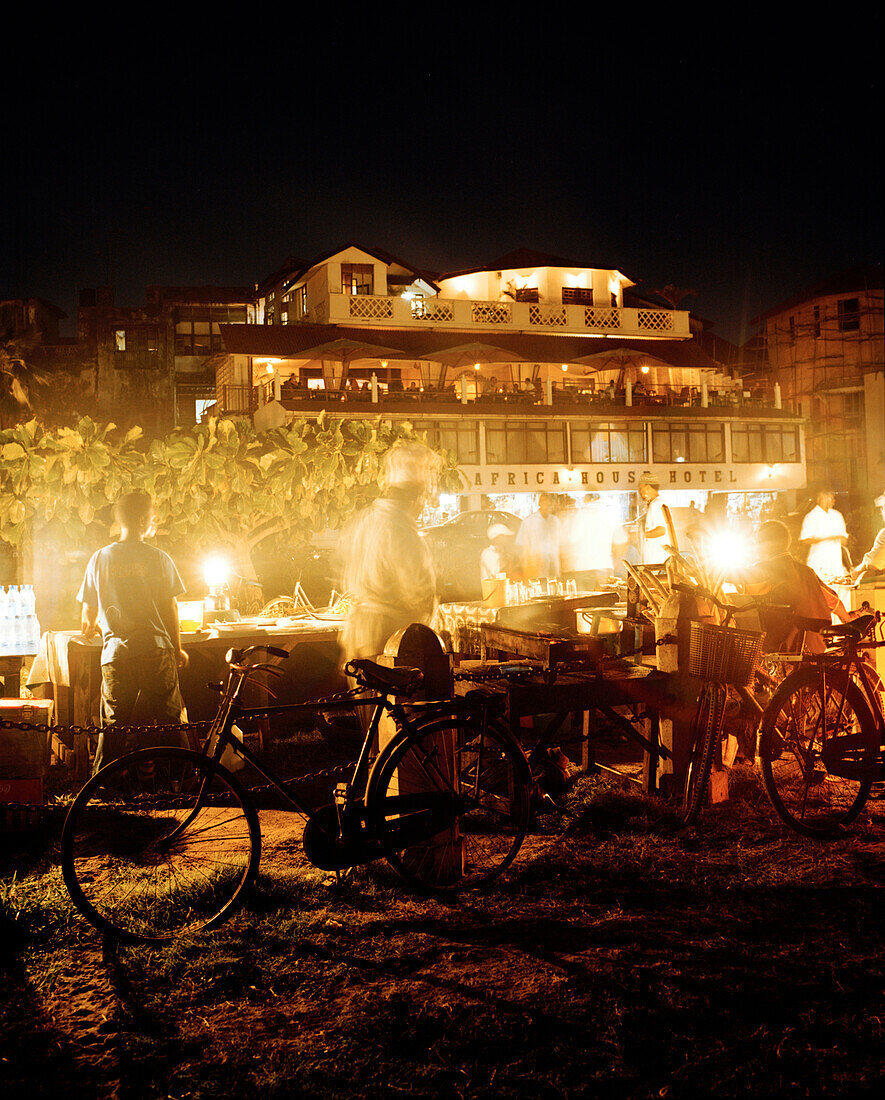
(24, 753)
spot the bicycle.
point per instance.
(166, 841)
(821, 743)
(727, 659)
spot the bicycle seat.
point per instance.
(855, 630)
(397, 681)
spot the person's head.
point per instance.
(134, 511)
(880, 504)
(499, 535)
(409, 474)
(772, 539)
(545, 503)
(649, 486)
(826, 498)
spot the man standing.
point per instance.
(652, 525)
(388, 570)
(874, 559)
(539, 541)
(495, 558)
(128, 593)
(824, 534)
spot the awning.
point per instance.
(339, 342)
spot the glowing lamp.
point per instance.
(645, 369)
(727, 550)
(216, 571)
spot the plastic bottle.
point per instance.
(13, 621)
(32, 624)
(4, 621)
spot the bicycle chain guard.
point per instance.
(327, 849)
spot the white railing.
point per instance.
(464, 314)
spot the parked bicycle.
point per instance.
(728, 660)
(166, 841)
(822, 737)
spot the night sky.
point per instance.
(730, 153)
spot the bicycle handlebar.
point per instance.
(237, 656)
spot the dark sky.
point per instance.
(731, 154)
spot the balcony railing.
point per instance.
(464, 314)
(504, 398)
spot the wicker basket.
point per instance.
(723, 654)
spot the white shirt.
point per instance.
(491, 563)
(825, 558)
(539, 540)
(587, 540)
(874, 558)
(653, 552)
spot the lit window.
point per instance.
(357, 279)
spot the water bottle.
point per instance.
(4, 621)
(19, 622)
(32, 624)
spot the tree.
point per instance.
(16, 379)
(216, 483)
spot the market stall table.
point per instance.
(605, 688)
(460, 623)
(67, 668)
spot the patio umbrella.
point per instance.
(469, 354)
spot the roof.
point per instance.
(301, 341)
(852, 280)
(378, 253)
(526, 257)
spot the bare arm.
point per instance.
(174, 627)
(88, 621)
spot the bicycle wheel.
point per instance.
(158, 844)
(450, 803)
(794, 732)
(705, 729)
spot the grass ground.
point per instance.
(621, 955)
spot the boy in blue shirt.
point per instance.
(128, 593)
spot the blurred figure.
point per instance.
(587, 539)
(652, 525)
(824, 534)
(539, 541)
(874, 559)
(496, 558)
(791, 583)
(388, 571)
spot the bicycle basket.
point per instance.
(723, 654)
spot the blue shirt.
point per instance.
(131, 585)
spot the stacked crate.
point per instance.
(24, 761)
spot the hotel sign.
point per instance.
(746, 477)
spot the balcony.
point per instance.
(463, 315)
(560, 399)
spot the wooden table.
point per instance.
(69, 669)
(631, 697)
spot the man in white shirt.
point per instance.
(874, 559)
(495, 558)
(824, 534)
(652, 525)
(539, 541)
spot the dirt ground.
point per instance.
(621, 955)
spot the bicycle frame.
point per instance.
(220, 734)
